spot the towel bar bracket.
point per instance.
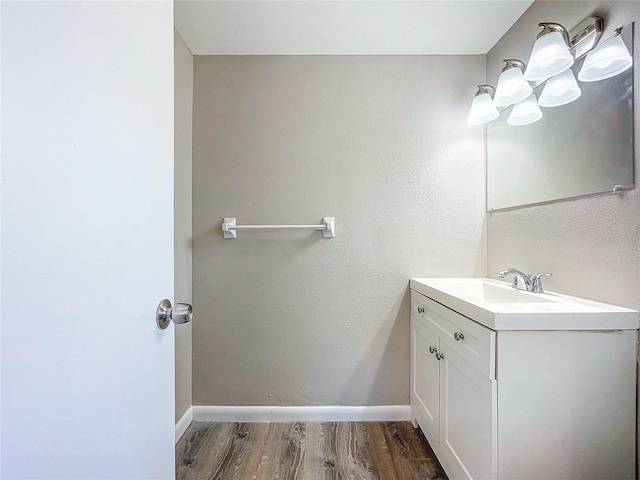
(228, 228)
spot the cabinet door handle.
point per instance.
(420, 310)
(458, 336)
(432, 350)
(439, 356)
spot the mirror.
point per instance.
(580, 148)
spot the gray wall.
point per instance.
(183, 97)
(591, 244)
(381, 143)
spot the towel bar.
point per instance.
(229, 227)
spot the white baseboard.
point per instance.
(183, 423)
(379, 413)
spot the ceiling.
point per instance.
(238, 27)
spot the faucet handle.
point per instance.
(537, 282)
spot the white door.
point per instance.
(87, 239)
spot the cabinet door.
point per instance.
(468, 428)
(425, 376)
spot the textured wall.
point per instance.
(382, 144)
(183, 98)
(590, 244)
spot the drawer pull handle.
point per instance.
(458, 336)
(420, 310)
(439, 356)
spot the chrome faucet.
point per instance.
(522, 281)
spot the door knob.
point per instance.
(181, 313)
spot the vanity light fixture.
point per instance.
(525, 112)
(512, 87)
(606, 60)
(550, 55)
(482, 108)
(560, 90)
(553, 54)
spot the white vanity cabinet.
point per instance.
(522, 404)
(453, 388)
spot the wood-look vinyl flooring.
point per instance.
(305, 451)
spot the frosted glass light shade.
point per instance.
(560, 90)
(512, 88)
(525, 112)
(606, 60)
(482, 110)
(550, 56)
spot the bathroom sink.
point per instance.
(490, 293)
(499, 306)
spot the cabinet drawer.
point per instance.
(474, 343)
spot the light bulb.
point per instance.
(525, 112)
(512, 87)
(606, 60)
(550, 55)
(482, 108)
(560, 90)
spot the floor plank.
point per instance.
(412, 456)
(305, 451)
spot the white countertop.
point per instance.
(498, 306)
